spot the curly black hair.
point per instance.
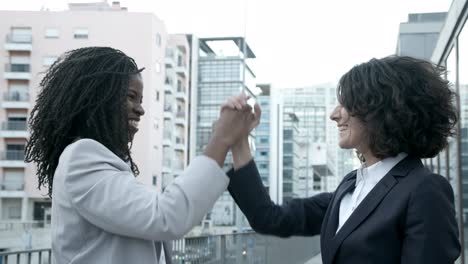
(405, 104)
(83, 96)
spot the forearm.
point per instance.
(217, 149)
(241, 154)
(299, 217)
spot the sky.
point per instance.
(297, 42)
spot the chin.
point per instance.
(344, 145)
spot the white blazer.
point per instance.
(102, 214)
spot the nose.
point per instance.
(335, 115)
(139, 110)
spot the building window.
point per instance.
(157, 96)
(157, 67)
(48, 60)
(14, 212)
(155, 180)
(52, 33)
(20, 35)
(180, 61)
(263, 153)
(80, 33)
(158, 39)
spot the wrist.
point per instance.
(241, 146)
(220, 141)
(217, 149)
(241, 153)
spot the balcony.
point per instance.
(181, 95)
(179, 144)
(11, 186)
(180, 119)
(168, 115)
(167, 165)
(14, 129)
(12, 159)
(179, 147)
(169, 60)
(167, 142)
(181, 70)
(168, 88)
(16, 100)
(17, 71)
(18, 42)
(168, 84)
(246, 247)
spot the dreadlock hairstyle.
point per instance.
(83, 96)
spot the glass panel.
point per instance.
(463, 93)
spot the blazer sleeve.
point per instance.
(298, 217)
(431, 232)
(112, 199)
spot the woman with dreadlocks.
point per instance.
(82, 128)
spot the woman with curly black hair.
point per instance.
(394, 111)
(82, 128)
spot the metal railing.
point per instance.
(20, 225)
(19, 38)
(11, 186)
(14, 125)
(16, 67)
(35, 256)
(248, 248)
(16, 96)
(180, 115)
(12, 155)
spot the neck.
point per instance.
(370, 158)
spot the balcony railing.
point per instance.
(14, 125)
(167, 108)
(223, 249)
(16, 96)
(11, 186)
(12, 155)
(41, 256)
(16, 67)
(180, 140)
(20, 225)
(167, 163)
(180, 115)
(19, 38)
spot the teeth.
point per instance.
(133, 123)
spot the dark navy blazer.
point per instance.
(407, 218)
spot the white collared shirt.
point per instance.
(366, 179)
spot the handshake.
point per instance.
(233, 127)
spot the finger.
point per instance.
(257, 111)
(247, 108)
(241, 100)
(237, 105)
(228, 105)
(257, 115)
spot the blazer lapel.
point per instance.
(331, 218)
(370, 202)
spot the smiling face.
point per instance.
(134, 104)
(351, 129)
